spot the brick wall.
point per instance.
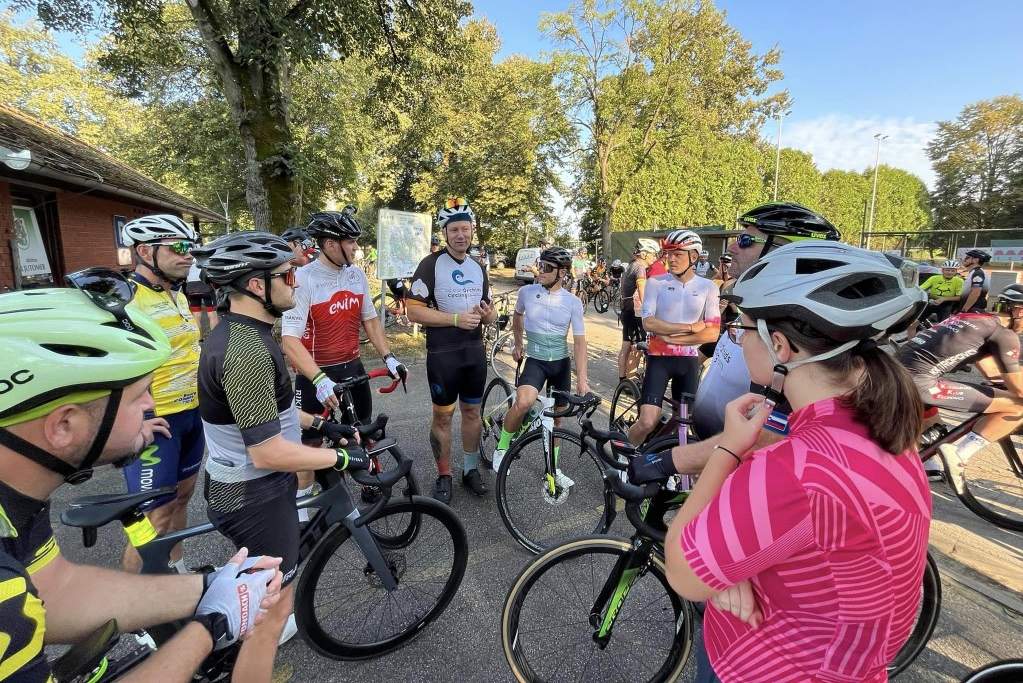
(87, 228)
(6, 230)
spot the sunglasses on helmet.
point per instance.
(109, 290)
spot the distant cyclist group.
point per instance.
(805, 533)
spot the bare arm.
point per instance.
(280, 455)
(704, 336)
(430, 317)
(80, 598)
(1014, 382)
(581, 376)
(518, 327)
(637, 298)
(693, 457)
(971, 298)
(176, 660)
(299, 356)
(375, 332)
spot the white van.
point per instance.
(525, 259)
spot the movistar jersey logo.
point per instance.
(459, 278)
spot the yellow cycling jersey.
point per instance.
(939, 286)
(175, 383)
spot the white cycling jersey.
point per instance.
(727, 379)
(548, 316)
(667, 299)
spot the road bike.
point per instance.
(1003, 671)
(492, 331)
(600, 608)
(374, 577)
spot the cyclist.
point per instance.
(320, 333)
(77, 391)
(944, 290)
(974, 297)
(785, 540)
(724, 268)
(990, 341)
(680, 312)
(633, 284)
(450, 296)
(297, 239)
(253, 429)
(545, 311)
(434, 244)
(580, 267)
(161, 244)
(704, 268)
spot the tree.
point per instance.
(843, 201)
(798, 179)
(639, 73)
(253, 48)
(976, 158)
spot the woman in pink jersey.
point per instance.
(810, 552)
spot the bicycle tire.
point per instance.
(982, 498)
(515, 642)
(584, 494)
(624, 405)
(601, 301)
(501, 362)
(927, 619)
(312, 626)
(492, 417)
(1002, 671)
(390, 305)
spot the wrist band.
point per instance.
(737, 458)
(318, 377)
(456, 320)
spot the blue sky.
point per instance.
(854, 68)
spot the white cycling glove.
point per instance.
(324, 387)
(236, 597)
(394, 367)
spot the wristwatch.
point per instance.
(215, 624)
(317, 424)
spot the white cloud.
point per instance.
(844, 142)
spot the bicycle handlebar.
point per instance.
(575, 404)
(340, 387)
(384, 481)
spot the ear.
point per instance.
(62, 427)
(782, 347)
(256, 285)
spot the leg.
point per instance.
(525, 397)
(623, 359)
(470, 426)
(440, 438)
(179, 513)
(658, 370)
(648, 418)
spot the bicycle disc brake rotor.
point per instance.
(559, 497)
(397, 564)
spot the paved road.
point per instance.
(980, 621)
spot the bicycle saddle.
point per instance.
(95, 511)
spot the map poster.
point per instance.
(403, 239)
(32, 260)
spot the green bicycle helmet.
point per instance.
(59, 345)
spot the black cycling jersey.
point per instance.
(26, 546)
(633, 273)
(978, 279)
(452, 286)
(960, 338)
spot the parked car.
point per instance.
(525, 260)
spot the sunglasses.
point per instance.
(288, 276)
(736, 330)
(180, 248)
(547, 267)
(746, 240)
(109, 290)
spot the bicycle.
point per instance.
(614, 573)
(492, 331)
(415, 583)
(1003, 671)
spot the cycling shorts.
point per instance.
(455, 375)
(632, 327)
(306, 401)
(267, 526)
(682, 371)
(959, 396)
(556, 374)
(175, 460)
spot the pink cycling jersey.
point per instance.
(831, 531)
(329, 307)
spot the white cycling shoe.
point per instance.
(290, 629)
(496, 460)
(562, 479)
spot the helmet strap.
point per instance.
(155, 267)
(767, 246)
(265, 301)
(337, 265)
(781, 370)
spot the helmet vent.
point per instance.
(143, 343)
(753, 272)
(855, 292)
(73, 350)
(807, 266)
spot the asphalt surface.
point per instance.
(980, 620)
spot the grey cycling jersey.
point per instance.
(548, 315)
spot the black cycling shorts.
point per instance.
(958, 396)
(362, 396)
(632, 327)
(266, 526)
(682, 371)
(458, 374)
(557, 374)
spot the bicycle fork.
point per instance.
(628, 568)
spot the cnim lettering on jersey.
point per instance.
(344, 301)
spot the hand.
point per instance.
(740, 601)
(517, 353)
(582, 387)
(338, 434)
(325, 391)
(484, 308)
(153, 426)
(698, 326)
(352, 459)
(650, 467)
(241, 591)
(395, 368)
(744, 418)
(468, 321)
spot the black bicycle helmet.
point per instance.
(788, 219)
(980, 255)
(237, 254)
(559, 256)
(1012, 295)
(295, 234)
(435, 241)
(337, 225)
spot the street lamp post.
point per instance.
(777, 149)
(873, 194)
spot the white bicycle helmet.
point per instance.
(456, 209)
(951, 263)
(646, 244)
(682, 240)
(843, 292)
(704, 254)
(156, 228)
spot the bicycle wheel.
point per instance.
(545, 630)
(496, 402)
(1003, 671)
(501, 361)
(993, 485)
(926, 620)
(625, 405)
(584, 296)
(537, 519)
(601, 301)
(342, 609)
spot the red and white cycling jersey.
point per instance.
(329, 307)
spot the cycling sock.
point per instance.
(557, 452)
(304, 514)
(970, 444)
(505, 440)
(470, 461)
(179, 566)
